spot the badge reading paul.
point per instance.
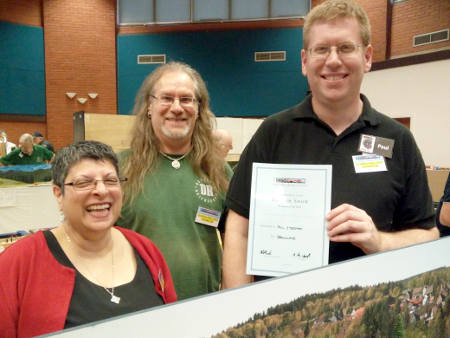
(376, 145)
(207, 217)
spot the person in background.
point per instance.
(443, 211)
(387, 208)
(9, 146)
(39, 139)
(27, 153)
(225, 141)
(176, 179)
(86, 269)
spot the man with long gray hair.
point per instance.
(176, 178)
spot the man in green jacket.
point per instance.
(27, 153)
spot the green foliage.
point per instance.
(397, 330)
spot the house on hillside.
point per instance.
(357, 314)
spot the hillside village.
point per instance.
(418, 306)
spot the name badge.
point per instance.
(207, 217)
(369, 163)
(376, 145)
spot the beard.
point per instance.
(176, 134)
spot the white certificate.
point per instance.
(287, 226)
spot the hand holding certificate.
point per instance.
(287, 226)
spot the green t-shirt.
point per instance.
(39, 156)
(165, 212)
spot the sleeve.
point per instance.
(223, 217)
(8, 304)
(7, 159)
(48, 154)
(257, 150)
(446, 197)
(444, 230)
(415, 209)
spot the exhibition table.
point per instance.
(28, 173)
(27, 207)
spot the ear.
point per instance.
(368, 58)
(58, 195)
(149, 111)
(303, 57)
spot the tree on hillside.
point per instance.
(307, 329)
(397, 330)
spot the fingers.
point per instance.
(347, 215)
(348, 226)
(347, 223)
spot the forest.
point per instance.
(415, 307)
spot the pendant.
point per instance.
(176, 164)
(115, 299)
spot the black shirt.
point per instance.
(444, 230)
(396, 199)
(91, 302)
(47, 145)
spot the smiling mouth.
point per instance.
(99, 210)
(176, 121)
(334, 77)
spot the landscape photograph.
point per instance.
(415, 307)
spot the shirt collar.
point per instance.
(305, 111)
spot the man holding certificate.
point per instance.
(380, 199)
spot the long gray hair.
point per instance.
(142, 159)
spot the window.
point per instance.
(433, 37)
(139, 12)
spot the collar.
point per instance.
(305, 111)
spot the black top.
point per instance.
(47, 145)
(396, 199)
(444, 230)
(91, 302)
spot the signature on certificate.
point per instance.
(302, 255)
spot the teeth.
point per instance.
(98, 207)
(334, 78)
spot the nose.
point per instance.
(333, 58)
(100, 187)
(176, 106)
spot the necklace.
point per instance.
(175, 161)
(114, 298)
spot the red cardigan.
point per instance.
(35, 290)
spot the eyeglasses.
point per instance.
(168, 100)
(344, 49)
(90, 184)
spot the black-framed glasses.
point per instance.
(342, 49)
(168, 100)
(91, 183)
